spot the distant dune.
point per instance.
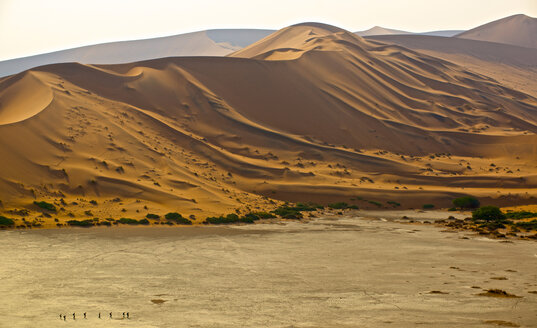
(204, 43)
(378, 30)
(309, 113)
(445, 33)
(518, 30)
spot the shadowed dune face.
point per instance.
(311, 112)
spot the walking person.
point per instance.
(127, 315)
(99, 315)
(64, 318)
(84, 315)
(74, 316)
(110, 315)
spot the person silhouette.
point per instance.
(64, 318)
(84, 315)
(127, 315)
(123, 315)
(60, 316)
(74, 316)
(110, 315)
(99, 315)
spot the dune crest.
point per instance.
(23, 96)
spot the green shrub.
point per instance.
(466, 202)
(428, 206)
(375, 203)
(488, 214)
(83, 223)
(93, 202)
(531, 225)
(178, 218)
(232, 218)
(128, 221)
(288, 212)
(153, 216)
(6, 222)
(173, 216)
(307, 207)
(394, 204)
(264, 215)
(143, 221)
(46, 206)
(520, 215)
(341, 206)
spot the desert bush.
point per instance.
(466, 202)
(83, 223)
(264, 215)
(488, 214)
(287, 212)
(177, 218)
(428, 206)
(520, 215)
(127, 221)
(6, 222)
(228, 219)
(394, 204)
(153, 216)
(341, 206)
(46, 206)
(93, 202)
(529, 226)
(375, 203)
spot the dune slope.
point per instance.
(519, 30)
(310, 113)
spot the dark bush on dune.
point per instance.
(83, 223)
(428, 206)
(341, 206)
(177, 218)
(288, 212)
(127, 221)
(6, 222)
(229, 219)
(521, 215)
(46, 206)
(466, 202)
(152, 216)
(263, 215)
(488, 214)
(529, 226)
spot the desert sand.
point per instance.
(309, 113)
(519, 30)
(331, 272)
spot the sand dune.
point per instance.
(204, 43)
(309, 113)
(519, 30)
(378, 30)
(513, 66)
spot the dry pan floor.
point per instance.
(332, 272)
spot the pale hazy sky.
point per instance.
(30, 27)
